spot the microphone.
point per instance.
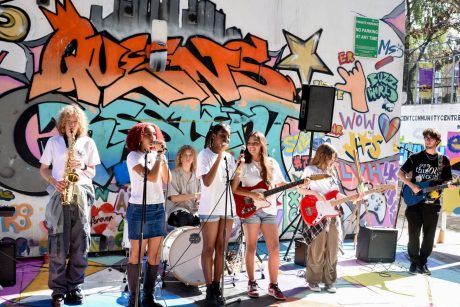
(243, 148)
(408, 150)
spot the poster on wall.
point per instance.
(425, 80)
(366, 37)
(451, 197)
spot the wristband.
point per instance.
(49, 179)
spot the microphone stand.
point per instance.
(141, 239)
(221, 299)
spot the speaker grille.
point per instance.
(316, 108)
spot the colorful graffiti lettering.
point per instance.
(20, 221)
(366, 121)
(387, 48)
(77, 60)
(346, 57)
(368, 145)
(382, 85)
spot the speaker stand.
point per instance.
(300, 223)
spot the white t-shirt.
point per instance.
(322, 186)
(154, 189)
(55, 154)
(250, 176)
(210, 195)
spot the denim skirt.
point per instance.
(154, 225)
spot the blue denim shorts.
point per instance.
(260, 217)
(213, 218)
(154, 222)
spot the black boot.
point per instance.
(150, 276)
(211, 299)
(216, 289)
(133, 275)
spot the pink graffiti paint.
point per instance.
(3, 54)
(386, 60)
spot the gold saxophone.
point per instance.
(70, 176)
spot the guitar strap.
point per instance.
(439, 167)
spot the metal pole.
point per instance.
(432, 82)
(454, 63)
(417, 85)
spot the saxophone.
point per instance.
(70, 176)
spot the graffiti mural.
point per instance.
(218, 69)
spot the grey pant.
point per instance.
(74, 241)
(322, 255)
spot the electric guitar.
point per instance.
(246, 206)
(314, 211)
(428, 192)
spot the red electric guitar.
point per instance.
(246, 206)
(314, 211)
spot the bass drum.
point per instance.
(182, 249)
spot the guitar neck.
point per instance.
(438, 187)
(352, 197)
(282, 188)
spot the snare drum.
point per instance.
(182, 249)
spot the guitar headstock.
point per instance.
(384, 187)
(319, 176)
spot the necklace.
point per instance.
(430, 157)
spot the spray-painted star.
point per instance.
(303, 57)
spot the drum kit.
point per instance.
(181, 255)
(181, 252)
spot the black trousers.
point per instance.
(421, 217)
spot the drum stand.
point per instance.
(221, 300)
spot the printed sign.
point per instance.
(366, 37)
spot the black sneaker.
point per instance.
(74, 297)
(57, 300)
(414, 268)
(424, 270)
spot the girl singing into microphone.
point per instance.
(211, 169)
(145, 138)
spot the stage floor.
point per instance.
(359, 283)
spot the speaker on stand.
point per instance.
(7, 264)
(316, 108)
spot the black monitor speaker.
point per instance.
(376, 244)
(316, 108)
(7, 264)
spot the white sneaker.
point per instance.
(331, 289)
(314, 287)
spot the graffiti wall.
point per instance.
(238, 62)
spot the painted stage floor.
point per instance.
(359, 283)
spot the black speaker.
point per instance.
(7, 264)
(300, 255)
(376, 244)
(316, 108)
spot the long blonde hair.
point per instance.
(66, 113)
(178, 159)
(323, 154)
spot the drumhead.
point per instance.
(182, 249)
